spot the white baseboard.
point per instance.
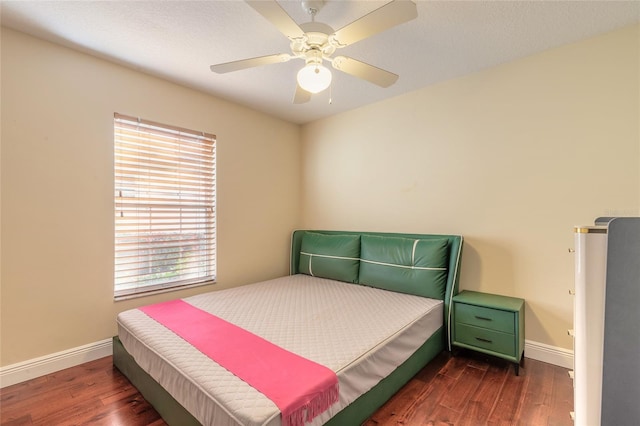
(549, 354)
(30, 369)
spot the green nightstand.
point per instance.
(491, 324)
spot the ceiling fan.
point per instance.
(315, 42)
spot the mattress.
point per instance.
(361, 333)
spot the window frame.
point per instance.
(164, 207)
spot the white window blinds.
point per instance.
(165, 229)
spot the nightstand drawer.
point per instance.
(479, 316)
(495, 341)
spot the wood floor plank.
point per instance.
(465, 386)
(561, 400)
(395, 411)
(432, 369)
(441, 415)
(19, 421)
(511, 397)
(429, 400)
(400, 402)
(455, 366)
(483, 401)
(67, 414)
(468, 389)
(538, 394)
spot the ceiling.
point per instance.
(179, 40)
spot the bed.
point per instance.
(373, 308)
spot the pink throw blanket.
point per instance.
(300, 388)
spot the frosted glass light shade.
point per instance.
(314, 78)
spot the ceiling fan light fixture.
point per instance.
(314, 78)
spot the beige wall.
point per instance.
(512, 158)
(57, 188)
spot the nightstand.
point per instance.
(491, 324)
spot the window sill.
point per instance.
(136, 295)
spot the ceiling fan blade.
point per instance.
(364, 71)
(275, 14)
(301, 96)
(249, 63)
(391, 14)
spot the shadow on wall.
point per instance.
(537, 311)
(487, 266)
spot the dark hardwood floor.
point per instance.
(468, 389)
(472, 389)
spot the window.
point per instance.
(165, 228)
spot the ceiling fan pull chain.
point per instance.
(312, 7)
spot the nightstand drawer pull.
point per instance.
(496, 342)
(483, 318)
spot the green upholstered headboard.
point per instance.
(426, 265)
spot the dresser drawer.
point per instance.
(495, 341)
(479, 316)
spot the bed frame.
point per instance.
(363, 407)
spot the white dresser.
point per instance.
(588, 322)
(607, 323)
